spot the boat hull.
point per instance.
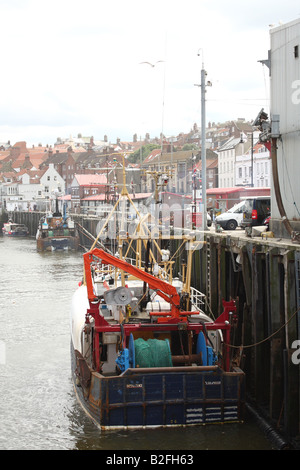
(16, 234)
(180, 396)
(57, 243)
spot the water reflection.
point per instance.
(220, 437)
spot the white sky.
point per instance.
(73, 66)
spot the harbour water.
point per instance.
(38, 407)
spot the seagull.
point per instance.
(152, 65)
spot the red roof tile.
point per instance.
(90, 180)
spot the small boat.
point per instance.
(57, 232)
(143, 351)
(12, 229)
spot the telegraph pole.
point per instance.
(203, 147)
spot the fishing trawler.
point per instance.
(57, 232)
(12, 229)
(144, 353)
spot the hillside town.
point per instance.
(86, 173)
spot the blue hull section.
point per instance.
(17, 235)
(163, 397)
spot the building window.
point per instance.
(296, 52)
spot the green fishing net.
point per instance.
(152, 353)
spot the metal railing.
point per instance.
(197, 298)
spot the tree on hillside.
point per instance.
(142, 153)
(190, 147)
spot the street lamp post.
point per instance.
(194, 200)
(252, 160)
(203, 146)
(203, 141)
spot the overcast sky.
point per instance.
(73, 66)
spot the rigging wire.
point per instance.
(265, 339)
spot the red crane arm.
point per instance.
(167, 291)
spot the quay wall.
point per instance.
(263, 277)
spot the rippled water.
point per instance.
(38, 408)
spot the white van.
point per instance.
(231, 219)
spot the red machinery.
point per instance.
(170, 321)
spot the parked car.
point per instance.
(256, 210)
(231, 219)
